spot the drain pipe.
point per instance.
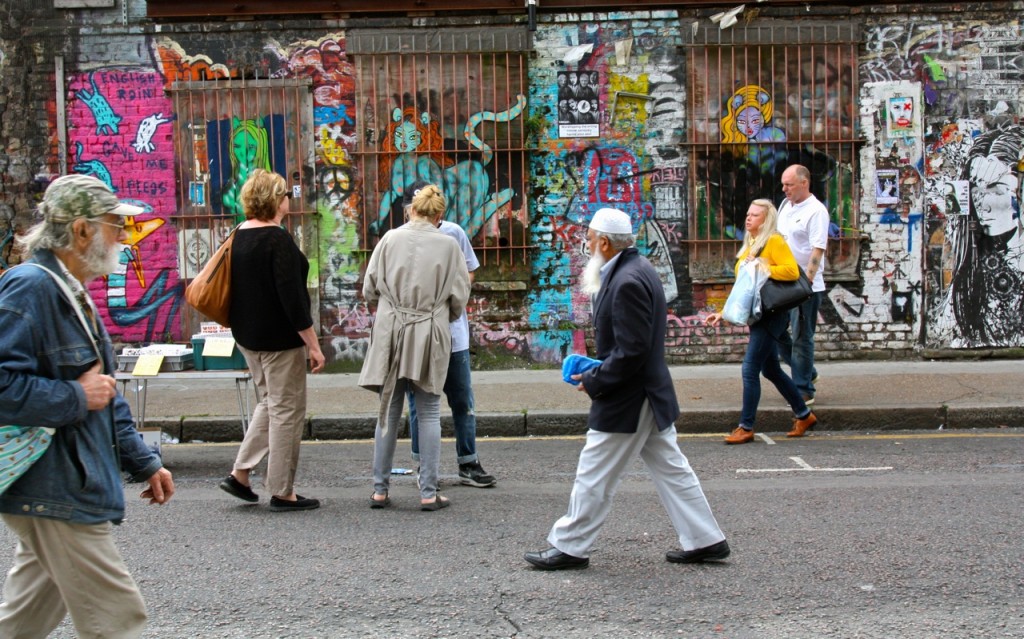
(531, 6)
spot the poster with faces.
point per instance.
(901, 117)
(578, 115)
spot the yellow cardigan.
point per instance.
(782, 265)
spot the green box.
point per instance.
(235, 362)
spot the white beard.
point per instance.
(100, 259)
(591, 278)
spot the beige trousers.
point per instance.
(275, 430)
(61, 567)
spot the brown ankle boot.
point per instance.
(801, 426)
(740, 436)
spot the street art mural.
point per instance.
(983, 304)
(412, 150)
(748, 132)
(754, 130)
(959, 196)
(116, 120)
(928, 226)
(337, 262)
(245, 145)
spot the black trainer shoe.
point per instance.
(472, 474)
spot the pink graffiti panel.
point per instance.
(120, 132)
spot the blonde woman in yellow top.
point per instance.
(762, 242)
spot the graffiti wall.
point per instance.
(945, 103)
(634, 165)
(914, 140)
(118, 132)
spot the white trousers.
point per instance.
(60, 567)
(604, 459)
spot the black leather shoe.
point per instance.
(717, 552)
(555, 559)
(300, 503)
(234, 487)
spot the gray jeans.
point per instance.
(428, 409)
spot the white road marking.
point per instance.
(801, 462)
(765, 438)
(804, 467)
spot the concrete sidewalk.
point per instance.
(862, 396)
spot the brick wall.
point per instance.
(960, 68)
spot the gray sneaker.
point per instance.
(472, 474)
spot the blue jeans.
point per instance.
(458, 390)
(798, 350)
(762, 357)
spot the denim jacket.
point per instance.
(43, 350)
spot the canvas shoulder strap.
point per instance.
(70, 296)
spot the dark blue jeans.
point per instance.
(762, 357)
(797, 346)
(458, 390)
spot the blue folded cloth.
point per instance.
(576, 364)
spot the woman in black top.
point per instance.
(271, 322)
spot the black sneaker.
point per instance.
(472, 474)
(300, 503)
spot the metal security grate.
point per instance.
(760, 99)
(224, 130)
(449, 108)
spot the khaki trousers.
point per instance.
(61, 567)
(275, 430)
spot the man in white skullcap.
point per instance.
(633, 408)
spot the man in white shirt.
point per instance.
(803, 221)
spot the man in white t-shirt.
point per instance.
(458, 389)
(803, 221)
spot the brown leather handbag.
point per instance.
(210, 290)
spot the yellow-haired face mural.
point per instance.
(747, 129)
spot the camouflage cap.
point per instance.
(75, 195)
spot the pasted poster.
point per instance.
(578, 115)
(887, 187)
(901, 121)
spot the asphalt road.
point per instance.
(907, 534)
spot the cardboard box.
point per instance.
(202, 363)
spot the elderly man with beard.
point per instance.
(56, 372)
(633, 409)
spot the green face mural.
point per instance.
(250, 150)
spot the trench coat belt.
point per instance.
(407, 317)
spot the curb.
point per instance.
(569, 423)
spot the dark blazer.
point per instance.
(629, 330)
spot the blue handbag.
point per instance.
(20, 447)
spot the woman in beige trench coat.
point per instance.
(418, 279)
